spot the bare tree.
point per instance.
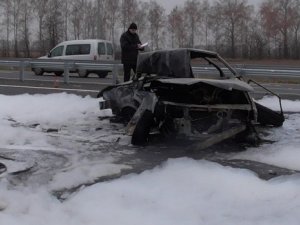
(156, 19)
(258, 40)
(25, 21)
(206, 15)
(101, 18)
(112, 10)
(215, 25)
(296, 30)
(54, 22)
(233, 14)
(40, 7)
(91, 21)
(134, 11)
(77, 11)
(192, 12)
(6, 6)
(177, 27)
(16, 7)
(279, 17)
(227, 26)
(171, 26)
(128, 11)
(140, 17)
(66, 10)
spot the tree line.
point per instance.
(234, 28)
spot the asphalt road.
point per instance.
(10, 84)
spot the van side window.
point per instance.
(80, 49)
(109, 48)
(101, 48)
(57, 51)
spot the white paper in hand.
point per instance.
(144, 45)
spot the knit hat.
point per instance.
(132, 26)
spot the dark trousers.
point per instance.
(127, 68)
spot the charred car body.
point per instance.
(166, 97)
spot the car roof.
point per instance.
(85, 41)
(172, 62)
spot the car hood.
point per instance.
(227, 84)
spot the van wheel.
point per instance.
(58, 73)
(102, 74)
(83, 73)
(38, 71)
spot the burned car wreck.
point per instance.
(165, 97)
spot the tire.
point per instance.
(141, 132)
(266, 116)
(83, 73)
(58, 73)
(2, 168)
(167, 129)
(127, 113)
(102, 74)
(38, 71)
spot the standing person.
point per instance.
(130, 45)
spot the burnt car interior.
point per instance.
(167, 97)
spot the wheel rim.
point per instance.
(38, 71)
(82, 73)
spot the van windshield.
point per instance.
(57, 51)
(78, 49)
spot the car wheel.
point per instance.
(167, 128)
(38, 71)
(83, 73)
(127, 113)
(58, 73)
(266, 116)
(102, 74)
(141, 132)
(2, 168)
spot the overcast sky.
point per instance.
(170, 4)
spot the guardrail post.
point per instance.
(243, 71)
(66, 73)
(115, 73)
(22, 65)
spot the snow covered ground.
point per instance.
(64, 143)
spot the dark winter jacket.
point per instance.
(129, 47)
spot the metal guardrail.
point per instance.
(114, 66)
(64, 65)
(253, 70)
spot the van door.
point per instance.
(102, 51)
(55, 53)
(78, 52)
(109, 51)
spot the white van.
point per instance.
(92, 49)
